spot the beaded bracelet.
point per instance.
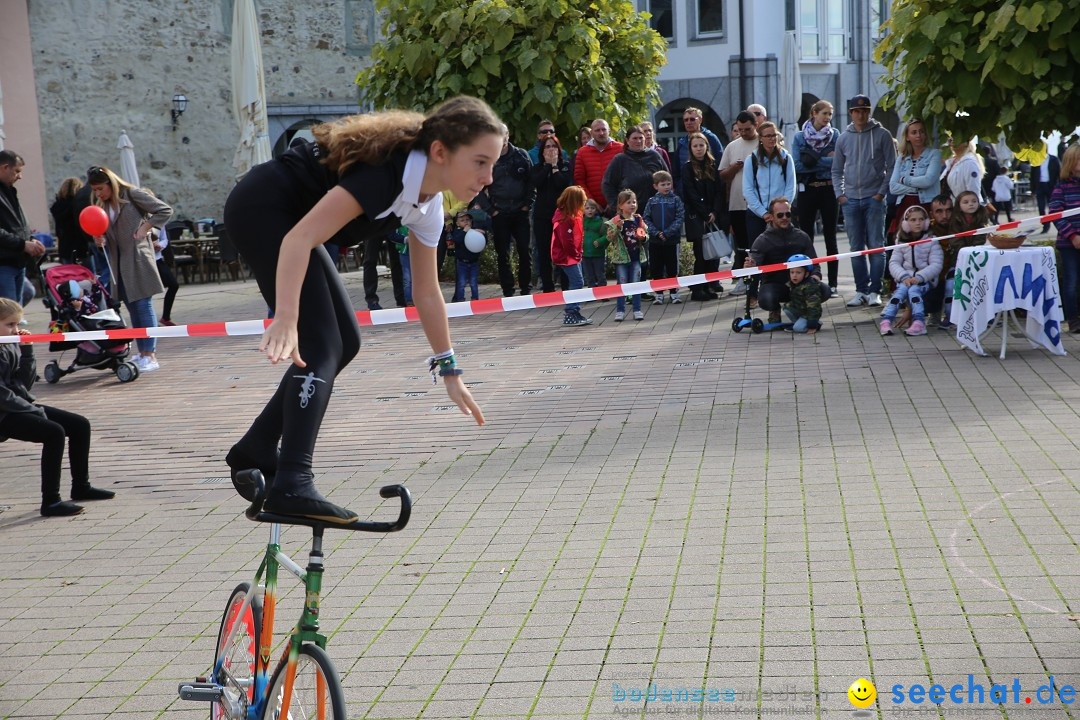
(445, 363)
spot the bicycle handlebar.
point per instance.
(254, 478)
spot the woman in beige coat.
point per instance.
(135, 280)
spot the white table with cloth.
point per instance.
(990, 284)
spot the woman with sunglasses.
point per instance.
(133, 212)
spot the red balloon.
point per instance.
(93, 220)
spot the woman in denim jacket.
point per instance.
(916, 176)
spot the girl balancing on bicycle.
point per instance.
(364, 176)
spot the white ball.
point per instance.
(475, 241)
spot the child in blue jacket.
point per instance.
(664, 220)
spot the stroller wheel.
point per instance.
(126, 372)
(53, 373)
(757, 325)
(736, 325)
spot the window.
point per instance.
(710, 17)
(662, 20)
(360, 26)
(879, 13)
(823, 29)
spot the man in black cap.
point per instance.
(861, 168)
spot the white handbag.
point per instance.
(715, 244)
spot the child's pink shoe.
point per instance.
(918, 327)
(886, 327)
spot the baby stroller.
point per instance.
(70, 314)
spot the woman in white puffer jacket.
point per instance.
(915, 270)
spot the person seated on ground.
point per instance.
(780, 241)
(21, 418)
(804, 310)
(967, 214)
(915, 269)
(940, 212)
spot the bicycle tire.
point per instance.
(242, 653)
(303, 705)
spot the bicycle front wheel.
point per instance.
(316, 692)
(237, 671)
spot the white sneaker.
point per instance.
(873, 300)
(146, 363)
(659, 300)
(858, 299)
(638, 315)
(739, 288)
(619, 315)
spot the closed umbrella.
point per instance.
(790, 100)
(249, 93)
(128, 172)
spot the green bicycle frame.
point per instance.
(306, 630)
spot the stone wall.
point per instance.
(103, 66)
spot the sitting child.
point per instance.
(23, 419)
(75, 300)
(967, 214)
(915, 270)
(804, 309)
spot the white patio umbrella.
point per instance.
(129, 173)
(248, 91)
(1, 118)
(790, 100)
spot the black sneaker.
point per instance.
(89, 492)
(571, 320)
(60, 509)
(374, 306)
(582, 320)
(304, 500)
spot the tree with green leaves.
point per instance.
(567, 61)
(983, 68)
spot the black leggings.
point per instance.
(171, 288)
(329, 336)
(52, 431)
(821, 199)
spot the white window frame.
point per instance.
(693, 8)
(823, 32)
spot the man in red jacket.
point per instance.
(592, 160)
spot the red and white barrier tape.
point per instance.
(503, 304)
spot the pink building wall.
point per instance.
(21, 124)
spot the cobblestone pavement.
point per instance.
(661, 502)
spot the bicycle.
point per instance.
(304, 683)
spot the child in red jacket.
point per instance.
(567, 239)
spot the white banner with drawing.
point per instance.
(990, 281)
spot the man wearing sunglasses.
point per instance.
(759, 113)
(544, 130)
(691, 120)
(780, 241)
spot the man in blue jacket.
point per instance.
(691, 119)
(864, 160)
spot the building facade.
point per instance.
(725, 54)
(103, 66)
